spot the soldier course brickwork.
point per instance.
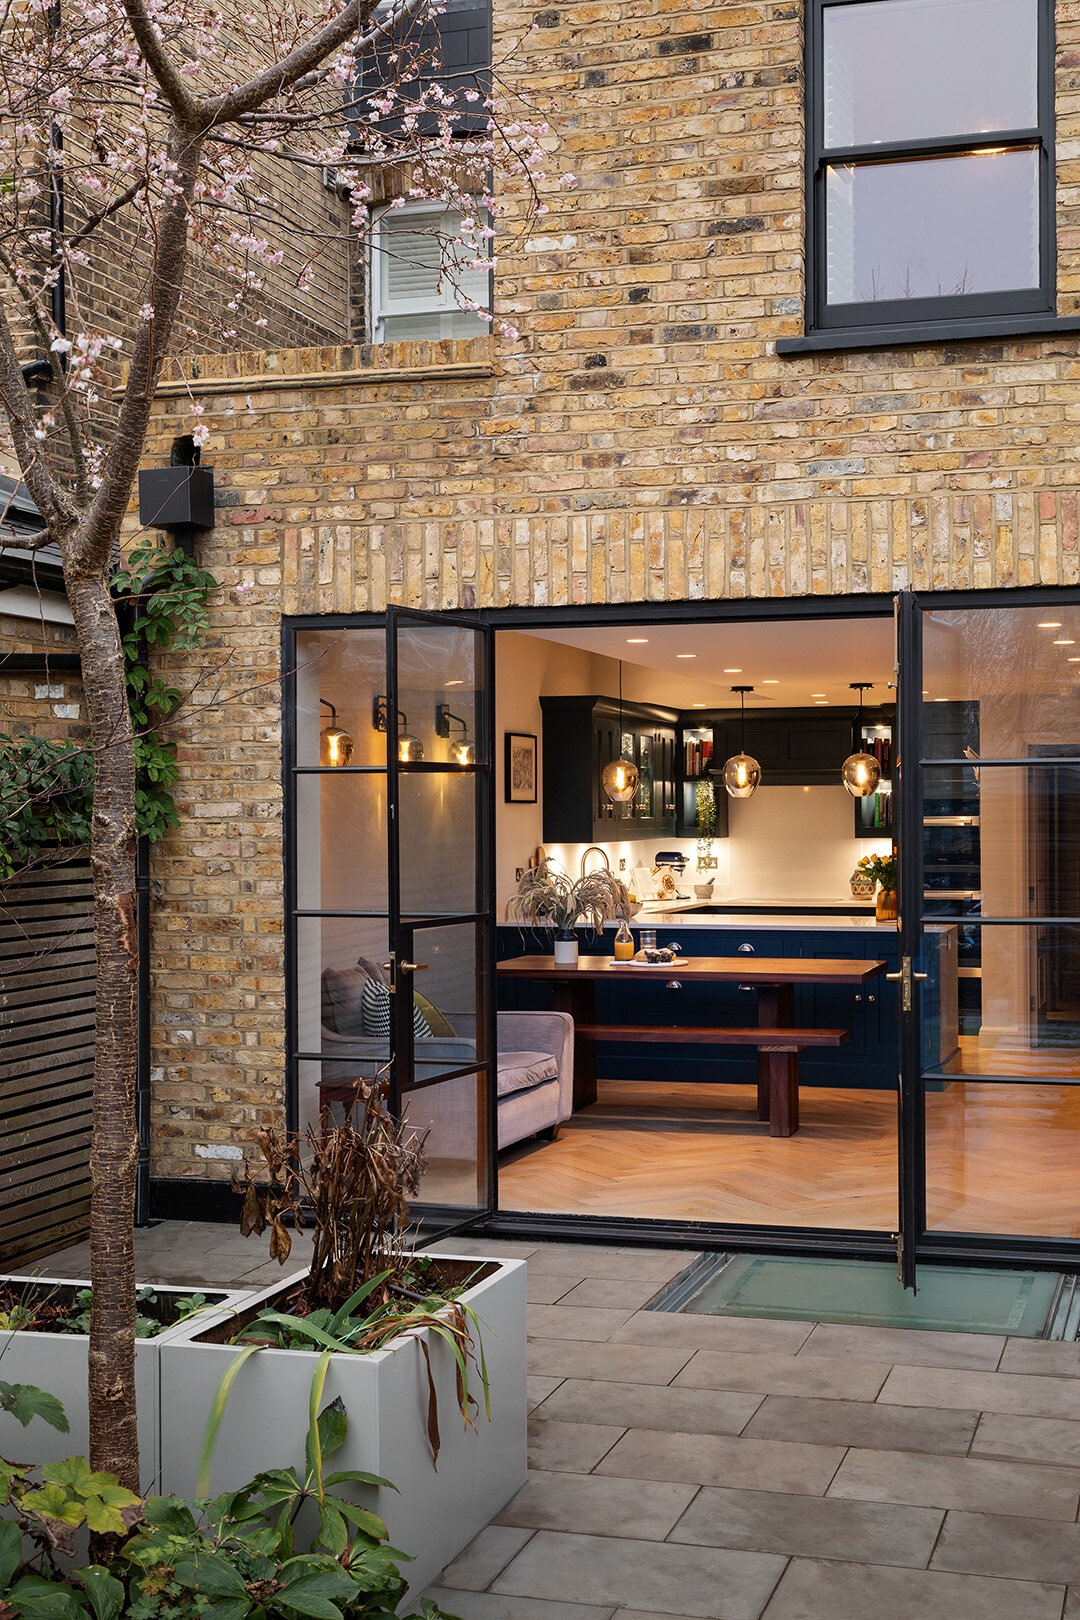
(640, 442)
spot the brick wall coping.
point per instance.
(259, 371)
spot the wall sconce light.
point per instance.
(335, 744)
(742, 773)
(861, 772)
(462, 751)
(410, 750)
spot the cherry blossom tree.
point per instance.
(155, 135)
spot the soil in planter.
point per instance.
(442, 1281)
(30, 1307)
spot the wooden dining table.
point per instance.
(777, 1040)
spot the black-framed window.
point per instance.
(930, 162)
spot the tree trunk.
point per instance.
(114, 1444)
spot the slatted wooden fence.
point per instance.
(46, 1061)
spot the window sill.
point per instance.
(952, 331)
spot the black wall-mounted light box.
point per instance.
(176, 497)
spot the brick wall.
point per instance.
(45, 703)
(642, 441)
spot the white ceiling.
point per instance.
(803, 657)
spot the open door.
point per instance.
(440, 784)
(907, 793)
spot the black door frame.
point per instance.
(927, 1248)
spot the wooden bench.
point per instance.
(778, 1057)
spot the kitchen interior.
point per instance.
(673, 1132)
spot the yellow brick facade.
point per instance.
(641, 442)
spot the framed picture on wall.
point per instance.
(520, 767)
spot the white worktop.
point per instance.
(654, 915)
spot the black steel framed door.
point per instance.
(439, 717)
(911, 976)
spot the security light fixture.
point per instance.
(742, 773)
(860, 772)
(335, 744)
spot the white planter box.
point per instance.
(433, 1513)
(57, 1362)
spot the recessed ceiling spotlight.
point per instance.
(817, 694)
(941, 700)
(1050, 624)
(1072, 660)
(732, 672)
(686, 655)
(453, 683)
(821, 703)
(701, 705)
(770, 683)
(1064, 641)
(636, 641)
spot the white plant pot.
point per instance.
(566, 952)
(434, 1513)
(57, 1363)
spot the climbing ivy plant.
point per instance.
(46, 786)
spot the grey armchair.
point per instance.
(535, 1073)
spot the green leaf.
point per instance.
(357, 1476)
(26, 1401)
(53, 1502)
(314, 1438)
(333, 1531)
(309, 1589)
(105, 1592)
(363, 1519)
(103, 1518)
(211, 1573)
(213, 1422)
(10, 1551)
(38, 1599)
(340, 1321)
(333, 1426)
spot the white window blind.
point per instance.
(421, 277)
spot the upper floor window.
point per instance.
(931, 161)
(422, 279)
(451, 48)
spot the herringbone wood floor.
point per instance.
(999, 1159)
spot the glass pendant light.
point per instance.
(335, 744)
(861, 772)
(410, 750)
(621, 777)
(742, 773)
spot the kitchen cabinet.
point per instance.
(581, 735)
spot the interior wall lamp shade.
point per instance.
(860, 772)
(620, 777)
(335, 744)
(462, 750)
(742, 773)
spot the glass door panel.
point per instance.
(441, 921)
(997, 790)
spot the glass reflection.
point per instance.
(453, 1116)
(934, 227)
(891, 69)
(999, 1158)
(1002, 1000)
(437, 822)
(341, 842)
(344, 670)
(1000, 682)
(438, 672)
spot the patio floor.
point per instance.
(709, 1468)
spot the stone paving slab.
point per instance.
(812, 1588)
(999, 1544)
(600, 1505)
(499, 1606)
(811, 1526)
(1028, 1439)
(777, 1374)
(654, 1406)
(745, 1333)
(863, 1424)
(706, 1459)
(1032, 1396)
(905, 1347)
(576, 1358)
(707, 1582)
(571, 1448)
(957, 1482)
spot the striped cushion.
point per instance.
(376, 1012)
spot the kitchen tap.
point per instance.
(594, 849)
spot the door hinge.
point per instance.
(899, 1241)
(391, 968)
(905, 979)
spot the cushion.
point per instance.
(437, 1022)
(378, 1015)
(342, 991)
(519, 1071)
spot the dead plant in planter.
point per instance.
(366, 1286)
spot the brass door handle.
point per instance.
(413, 967)
(894, 977)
